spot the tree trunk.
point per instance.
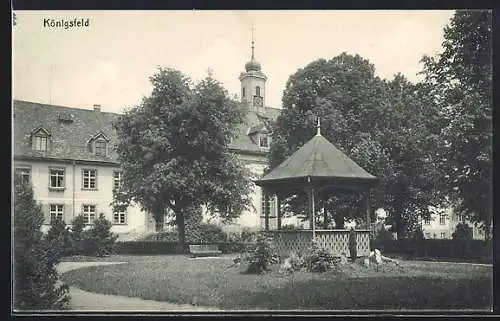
(181, 228)
(339, 221)
(398, 221)
(326, 219)
(159, 216)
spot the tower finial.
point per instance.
(318, 128)
(253, 42)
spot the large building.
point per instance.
(443, 223)
(68, 156)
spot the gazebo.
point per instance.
(318, 166)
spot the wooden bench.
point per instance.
(204, 250)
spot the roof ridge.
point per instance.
(62, 106)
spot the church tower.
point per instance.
(253, 83)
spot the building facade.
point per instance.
(68, 156)
(443, 223)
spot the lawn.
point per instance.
(211, 282)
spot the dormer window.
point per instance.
(40, 143)
(264, 140)
(100, 147)
(98, 144)
(40, 140)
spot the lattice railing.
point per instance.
(336, 241)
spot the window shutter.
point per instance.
(46, 213)
(89, 146)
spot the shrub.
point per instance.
(35, 276)
(79, 244)
(297, 262)
(101, 238)
(463, 236)
(146, 247)
(463, 232)
(58, 239)
(417, 235)
(200, 233)
(262, 257)
(319, 259)
(165, 236)
(205, 233)
(353, 244)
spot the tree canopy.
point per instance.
(174, 153)
(461, 80)
(384, 126)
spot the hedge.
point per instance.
(159, 247)
(437, 248)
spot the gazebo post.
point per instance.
(312, 212)
(266, 209)
(366, 207)
(278, 209)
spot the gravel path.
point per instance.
(88, 301)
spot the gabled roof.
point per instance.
(40, 129)
(317, 159)
(100, 133)
(69, 139)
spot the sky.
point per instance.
(109, 62)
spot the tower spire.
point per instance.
(318, 128)
(253, 43)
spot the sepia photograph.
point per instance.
(249, 161)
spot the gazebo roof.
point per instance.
(318, 160)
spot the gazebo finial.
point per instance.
(318, 132)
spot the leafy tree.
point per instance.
(411, 142)
(387, 127)
(461, 78)
(35, 276)
(174, 152)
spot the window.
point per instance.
(25, 174)
(120, 217)
(427, 221)
(159, 226)
(56, 180)
(443, 235)
(264, 140)
(89, 179)
(40, 142)
(461, 218)
(56, 212)
(100, 147)
(117, 180)
(442, 219)
(88, 214)
(257, 91)
(243, 92)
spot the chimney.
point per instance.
(97, 107)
